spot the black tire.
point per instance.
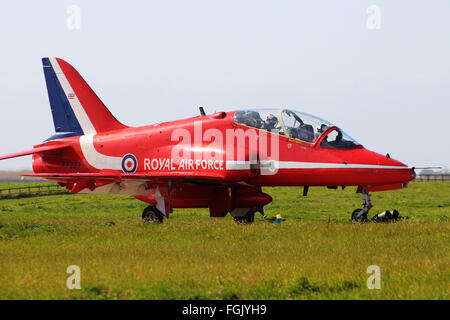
(249, 218)
(357, 216)
(153, 215)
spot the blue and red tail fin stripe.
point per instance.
(76, 109)
(64, 118)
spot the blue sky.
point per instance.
(154, 61)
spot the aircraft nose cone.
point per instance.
(395, 170)
(414, 174)
(381, 169)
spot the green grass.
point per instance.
(192, 256)
(24, 184)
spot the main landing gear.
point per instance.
(152, 214)
(241, 215)
(246, 215)
(360, 215)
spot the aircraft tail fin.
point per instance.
(76, 109)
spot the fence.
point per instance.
(32, 191)
(433, 177)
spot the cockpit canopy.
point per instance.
(295, 125)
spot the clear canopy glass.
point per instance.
(295, 125)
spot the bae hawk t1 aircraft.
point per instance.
(218, 161)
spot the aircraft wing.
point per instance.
(118, 176)
(76, 182)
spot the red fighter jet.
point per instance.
(219, 161)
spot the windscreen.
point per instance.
(296, 125)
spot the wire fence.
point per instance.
(433, 177)
(32, 191)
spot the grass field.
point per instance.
(192, 256)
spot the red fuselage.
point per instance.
(194, 182)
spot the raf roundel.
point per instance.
(129, 163)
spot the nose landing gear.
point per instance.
(360, 215)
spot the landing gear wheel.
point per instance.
(248, 218)
(359, 215)
(152, 214)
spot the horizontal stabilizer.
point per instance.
(35, 150)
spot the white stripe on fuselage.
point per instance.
(100, 161)
(245, 165)
(80, 113)
(95, 158)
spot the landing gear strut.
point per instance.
(360, 215)
(152, 214)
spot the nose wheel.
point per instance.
(359, 216)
